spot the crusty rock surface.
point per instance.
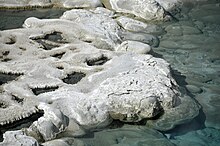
(71, 68)
(146, 9)
(18, 138)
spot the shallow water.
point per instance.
(192, 47)
(10, 19)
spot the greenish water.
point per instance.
(192, 47)
(10, 19)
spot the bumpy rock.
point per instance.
(50, 125)
(135, 47)
(146, 9)
(138, 26)
(18, 138)
(183, 114)
(71, 68)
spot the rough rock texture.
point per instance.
(134, 46)
(50, 125)
(50, 3)
(25, 106)
(71, 68)
(146, 9)
(138, 26)
(18, 138)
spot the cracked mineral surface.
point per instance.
(104, 63)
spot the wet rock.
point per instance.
(64, 142)
(135, 47)
(141, 37)
(128, 136)
(138, 26)
(193, 89)
(183, 114)
(171, 6)
(146, 9)
(201, 137)
(49, 126)
(209, 100)
(104, 84)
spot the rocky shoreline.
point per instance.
(93, 66)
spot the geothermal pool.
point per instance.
(192, 46)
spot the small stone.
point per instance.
(134, 46)
(193, 89)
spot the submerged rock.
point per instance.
(203, 137)
(128, 136)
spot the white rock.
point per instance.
(146, 9)
(138, 26)
(135, 47)
(50, 125)
(18, 138)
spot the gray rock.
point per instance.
(146, 9)
(133, 46)
(18, 138)
(193, 89)
(183, 114)
(138, 26)
(71, 68)
(50, 125)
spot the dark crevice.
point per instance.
(10, 41)
(97, 61)
(55, 37)
(59, 55)
(17, 99)
(6, 59)
(3, 104)
(23, 49)
(74, 78)
(6, 77)
(38, 91)
(50, 41)
(60, 67)
(5, 53)
(22, 123)
(46, 45)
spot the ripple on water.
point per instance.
(196, 56)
